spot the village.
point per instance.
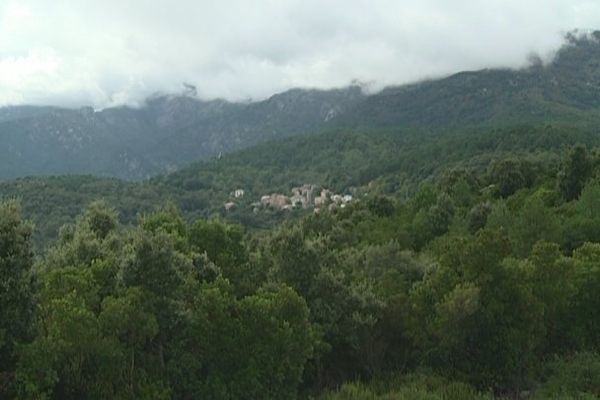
(302, 197)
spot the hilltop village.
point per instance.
(305, 196)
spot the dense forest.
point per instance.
(466, 265)
(481, 283)
(391, 162)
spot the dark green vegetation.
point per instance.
(390, 162)
(483, 283)
(467, 267)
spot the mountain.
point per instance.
(563, 89)
(169, 132)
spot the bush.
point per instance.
(575, 377)
(408, 387)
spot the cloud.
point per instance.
(119, 52)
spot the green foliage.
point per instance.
(389, 162)
(552, 282)
(482, 304)
(169, 221)
(412, 387)
(16, 290)
(223, 244)
(432, 221)
(72, 360)
(255, 347)
(152, 264)
(534, 222)
(477, 287)
(587, 282)
(381, 206)
(509, 175)
(296, 261)
(576, 377)
(127, 314)
(478, 215)
(100, 219)
(576, 170)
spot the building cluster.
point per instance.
(305, 196)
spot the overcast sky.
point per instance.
(109, 52)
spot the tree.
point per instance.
(152, 264)
(297, 261)
(574, 377)
(381, 206)
(69, 359)
(485, 318)
(125, 319)
(100, 218)
(95, 336)
(433, 221)
(16, 290)
(168, 220)
(575, 172)
(478, 216)
(587, 303)
(534, 222)
(553, 284)
(224, 246)
(255, 347)
(509, 175)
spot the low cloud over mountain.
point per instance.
(113, 52)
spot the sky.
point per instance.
(112, 52)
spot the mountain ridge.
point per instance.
(169, 132)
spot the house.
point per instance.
(278, 201)
(238, 193)
(228, 206)
(323, 199)
(304, 196)
(320, 201)
(298, 200)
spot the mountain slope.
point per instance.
(171, 131)
(164, 134)
(389, 161)
(561, 90)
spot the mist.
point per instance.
(114, 53)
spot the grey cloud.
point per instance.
(119, 52)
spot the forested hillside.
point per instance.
(563, 89)
(482, 284)
(391, 162)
